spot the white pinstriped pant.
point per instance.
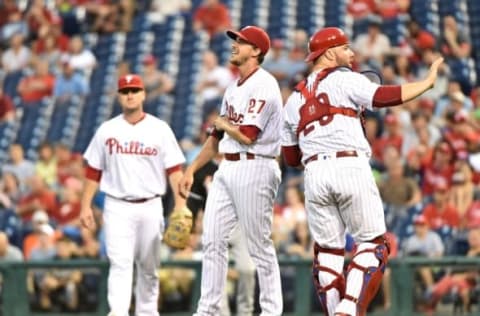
(242, 191)
(341, 194)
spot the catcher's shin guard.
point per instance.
(329, 281)
(377, 251)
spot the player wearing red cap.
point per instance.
(129, 158)
(322, 131)
(246, 182)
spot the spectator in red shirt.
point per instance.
(37, 86)
(392, 137)
(7, 8)
(211, 16)
(39, 198)
(7, 110)
(54, 30)
(461, 133)
(455, 44)
(68, 211)
(359, 9)
(440, 170)
(39, 18)
(418, 40)
(440, 212)
(391, 8)
(472, 216)
(65, 160)
(463, 188)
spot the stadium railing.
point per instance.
(15, 301)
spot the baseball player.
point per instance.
(245, 185)
(322, 131)
(130, 158)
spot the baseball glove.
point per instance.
(178, 230)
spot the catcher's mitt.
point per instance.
(178, 230)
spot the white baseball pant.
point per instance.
(133, 232)
(242, 191)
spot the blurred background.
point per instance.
(60, 60)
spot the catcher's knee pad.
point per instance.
(370, 259)
(329, 281)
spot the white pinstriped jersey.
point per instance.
(257, 101)
(133, 157)
(345, 89)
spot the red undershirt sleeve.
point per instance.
(292, 155)
(174, 169)
(386, 96)
(93, 174)
(251, 131)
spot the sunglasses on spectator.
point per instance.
(130, 90)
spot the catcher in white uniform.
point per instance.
(246, 183)
(130, 157)
(322, 131)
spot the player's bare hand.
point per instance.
(185, 184)
(432, 74)
(220, 123)
(86, 218)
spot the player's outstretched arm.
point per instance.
(208, 152)
(414, 89)
(391, 95)
(86, 213)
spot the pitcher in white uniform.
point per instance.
(246, 183)
(130, 158)
(322, 131)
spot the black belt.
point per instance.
(248, 156)
(338, 154)
(139, 200)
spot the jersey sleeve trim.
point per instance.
(174, 169)
(93, 174)
(386, 96)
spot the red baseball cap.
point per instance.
(420, 220)
(253, 35)
(130, 81)
(440, 186)
(391, 119)
(149, 59)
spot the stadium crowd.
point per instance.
(425, 155)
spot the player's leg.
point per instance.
(362, 211)
(218, 222)
(255, 184)
(328, 231)
(246, 273)
(120, 242)
(149, 234)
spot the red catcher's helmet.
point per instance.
(324, 39)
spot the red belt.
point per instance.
(338, 154)
(237, 156)
(141, 200)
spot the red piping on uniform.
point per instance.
(174, 169)
(387, 96)
(140, 119)
(251, 131)
(93, 174)
(241, 81)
